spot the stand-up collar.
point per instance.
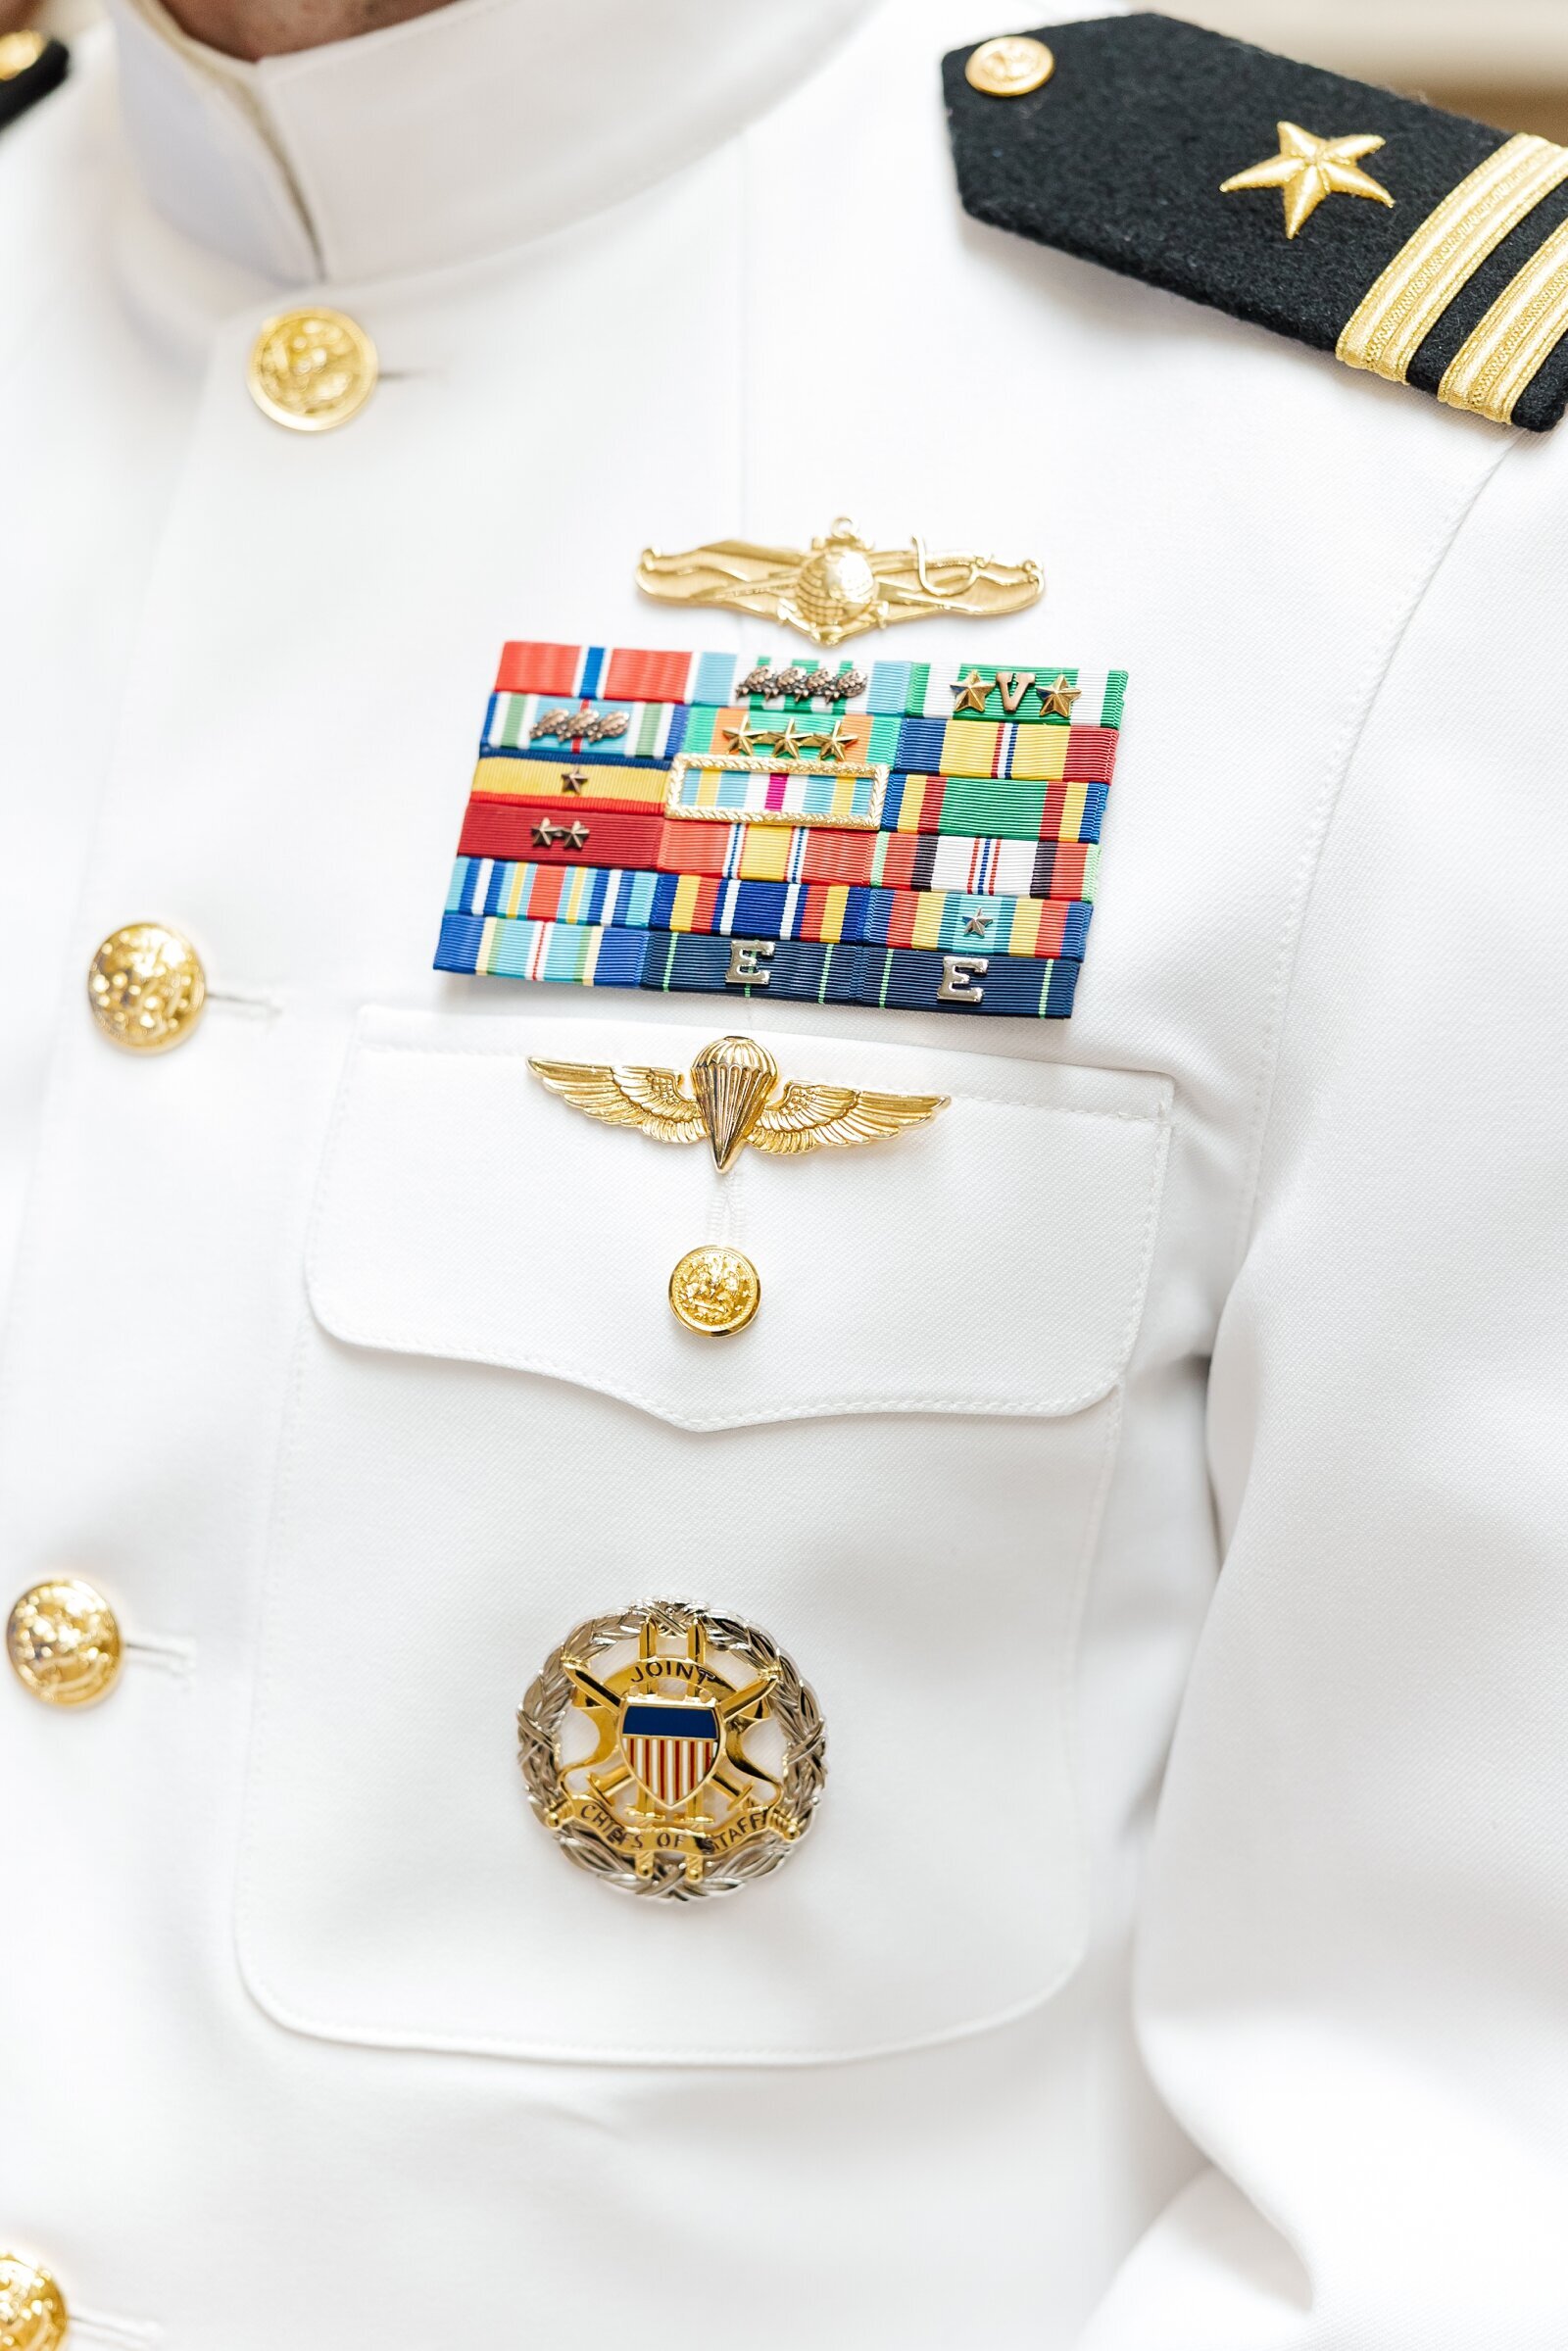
(476, 128)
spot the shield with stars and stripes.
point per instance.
(671, 1744)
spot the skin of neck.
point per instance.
(253, 28)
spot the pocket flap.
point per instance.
(991, 1261)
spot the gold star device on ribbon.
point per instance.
(1307, 169)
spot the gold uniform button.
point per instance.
(1009, 66)
(714, 1291)
(311, 369)
(63, 1640)
(19, 52)
(146, 988)
(32, 2310)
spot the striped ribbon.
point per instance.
(1068, 868)
(960, 874)
(894, 689)
(902, 979)
(738, 852)
(501, 824)
(655, 731)
(830, 912)
(829, 798)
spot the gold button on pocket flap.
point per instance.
(715, 1290)
(732, 1097)
(983, 1254)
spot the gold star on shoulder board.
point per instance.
(1057, 698)
(972, 692)
(1307, 169)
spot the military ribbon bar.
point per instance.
(899, 835)
(576, 673)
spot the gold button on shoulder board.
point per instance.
(714, 1291)
(146, 987)
(63, 1640)
(19, 52)
(1009, 66)
(32, 2309)
(311, 369)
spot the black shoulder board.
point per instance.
(1422, 246)
(31, 65)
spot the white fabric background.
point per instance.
(244, 675)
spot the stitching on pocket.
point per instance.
(842, 1407)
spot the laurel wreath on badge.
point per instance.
(674, 1798)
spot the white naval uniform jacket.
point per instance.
(1155, 1465)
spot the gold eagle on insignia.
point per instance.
(735, 1098)
(841, 585)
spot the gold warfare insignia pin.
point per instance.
(841, 585)
(672, 1752)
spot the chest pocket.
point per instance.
(499, 1428)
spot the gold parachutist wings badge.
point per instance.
(735, 1099)
(841, 585)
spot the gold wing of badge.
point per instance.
(808, 1118)
(653, 1100)
(841, 585)
(734, 1100)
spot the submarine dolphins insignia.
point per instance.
(735, 1099)
(841, 585)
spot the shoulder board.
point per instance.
(1415, 243)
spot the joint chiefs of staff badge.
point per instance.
(672, 1752)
